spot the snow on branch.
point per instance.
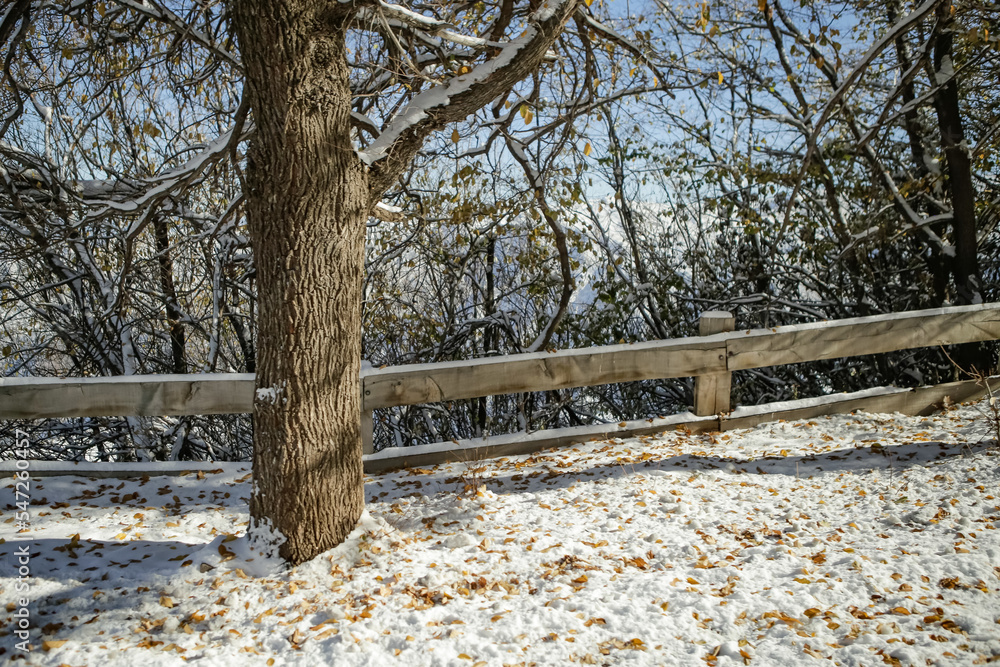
(171, 181)
(897, 30)
(440, 29)
(183, 28)
(463, 94)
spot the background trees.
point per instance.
(123, 251)
(788, 161)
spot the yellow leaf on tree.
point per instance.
(586, 149)
(454, 136)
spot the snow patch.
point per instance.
(646, 550)
(272, 394)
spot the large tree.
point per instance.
(309, 194)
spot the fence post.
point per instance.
(367, 421)
(711, 391)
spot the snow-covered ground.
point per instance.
(858, 539)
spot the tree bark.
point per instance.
(489, 332)
(308, 195)
(165, 261)
(965, 266)
(937, 264)
(306, 205)
(965, 263)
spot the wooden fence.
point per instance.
(710, 358)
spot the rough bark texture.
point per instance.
(165, 259)
(937, 264)
(308, 196)
(307, 199)
(963, 194)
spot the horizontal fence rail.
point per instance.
(710, 358)
(126, 395)
(542, 371)
(863, 335)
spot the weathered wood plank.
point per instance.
(153, 395)
(121, 470)
(528, 443)
(922, 400)
(916, 401)
(367, 432)
(863, 335)
(919, 401)
(429, 383)
(367, 418)
(34, 398)
(712, 391)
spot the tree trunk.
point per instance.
(489, 331)
(965, 263)
(306, 205)
(937, 264)
(965, 267)
(165, 261)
